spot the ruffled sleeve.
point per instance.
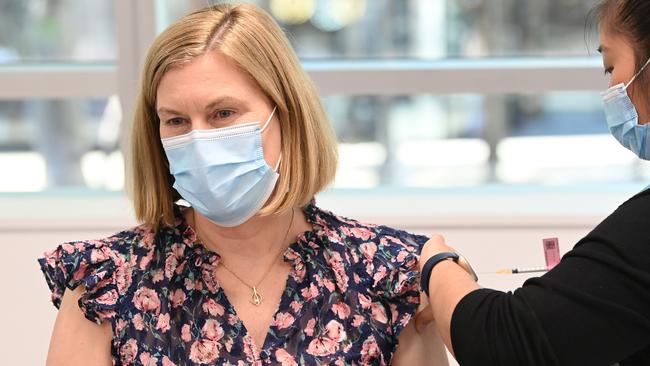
(397, 275)
(99, 266)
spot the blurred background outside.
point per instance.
(433, 135)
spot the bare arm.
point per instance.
(422, 346)
(450, 283)
(75, 339)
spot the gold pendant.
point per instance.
(256, 298)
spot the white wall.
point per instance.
(492, 228)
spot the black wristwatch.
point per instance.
(431, 262)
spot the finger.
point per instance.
(437, 238)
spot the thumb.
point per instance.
(423, 318)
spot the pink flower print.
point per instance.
(204, 351)
(335, 331)
(170, 265)
(209, 274)
(229, 344)
(342, 310)
(299, 271)
(368, 250)
(379, 275)
(309, 293)
(370, 350)
(178, 250)
(147, 360)
(147, 239)
(128, 351)
(167, 362)
(329, 285)
(163, 323)
(98, 255)
(146, 299)
(309, 329)
(321, 347)
(213, 308)
(120, 325)
(249, 349)
(144, 262)
(362, 233)
(186, 334)
(285, 358)
(379, 312)
(178, 298)
(108, 298)
(295, 306)
(358, 320)
(334, 236)
(402, 256)
(336, 263)
(157, 276)
(403, 284)
(68, 248)
(283, 320)
(80, 272)
(232, 320)
(212, 330)
(123, 277)
(138, 322)
(364, 301)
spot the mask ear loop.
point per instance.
(277, 165)
(266, 124)
(638, 73)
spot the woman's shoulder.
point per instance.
(105, 268)
(383, 258)
(363, 237)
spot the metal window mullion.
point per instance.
(52, 82)
(455, 77)
(332, 77)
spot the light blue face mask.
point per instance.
(222, 172)
(623, 119)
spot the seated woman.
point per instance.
(253, 272)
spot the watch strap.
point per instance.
(428, 267)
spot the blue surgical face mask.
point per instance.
(222, 172)
(623, 119)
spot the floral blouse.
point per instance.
(353, 287)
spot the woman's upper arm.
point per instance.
(420, 347)
(77, 340)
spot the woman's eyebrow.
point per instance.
(223, 100)
(215, 102)
(165, 110)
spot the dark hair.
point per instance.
(631, 20)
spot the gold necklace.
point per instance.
(256, 297)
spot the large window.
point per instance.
(421, 93)
(57, 31)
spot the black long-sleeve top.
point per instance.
(593, 308)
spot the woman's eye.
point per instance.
(223, 114)
(175, 122)
(608, 71)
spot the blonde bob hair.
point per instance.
(252, 39)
